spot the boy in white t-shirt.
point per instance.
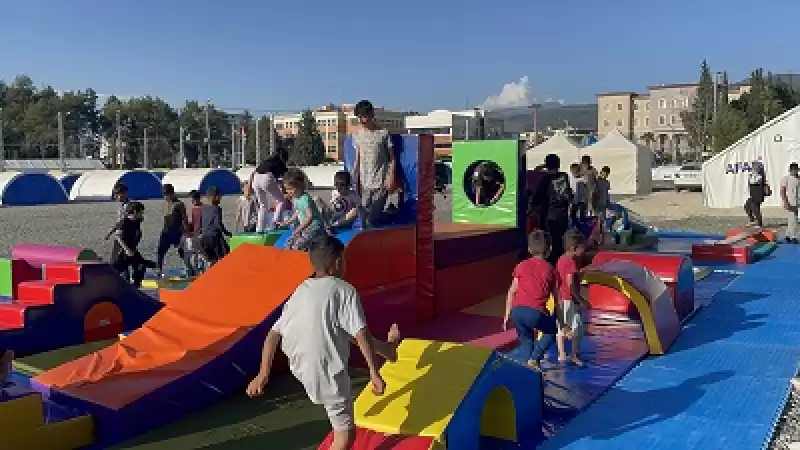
(345, 205)
(315, 330)
(579, 192)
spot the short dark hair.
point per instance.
(606, 169)
(574, 166)
(342, 178)
(213, 191)
(572, 239)
(296, 178)
(794, 166)
(168, 189)
(324, 251)
(134, 207)
(194, 194)
(273, 165)
(586, 159)
(120, 188)
(539, 243)
(552, 161)
(364, 108)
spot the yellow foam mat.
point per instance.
(73, 433)
(20, 416)
(423, 388)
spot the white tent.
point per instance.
(630, 164)
(776, 144)
(559, 145)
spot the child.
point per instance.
(345, 205)
(570, 301)
(246, 210)
(603, 191)
(579, 193)
(194, 259)
(125, 256)
(212, 229)
(318, 355)
(6, 358)
(306, 215)
(175, 226)
(267, 191)
(488, 185)
(526, 303)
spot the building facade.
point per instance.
(336, 122)
(448, 126)
(654, 119)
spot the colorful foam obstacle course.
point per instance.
(267, 238)
(676, 271)
(736, 248)
(56, 303)
(446, 395)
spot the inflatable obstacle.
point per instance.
(739, 246)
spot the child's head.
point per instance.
(539, 244)
(586, 162)
(212, 194)
(326, 255)
(574, 243)
(552, 162)
(605, 171)
(365, 113)
(135, 210)
(295, 182)
(246, 189)
(120, 192)
(342, 181)
(197, 198)
(168, 191)
(575, 169)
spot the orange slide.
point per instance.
(203, 345)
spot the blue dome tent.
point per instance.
(185, 180)
(29, 189)
(98, 184)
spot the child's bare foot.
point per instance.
(533, 364)
(575, 360)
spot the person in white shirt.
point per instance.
(579, 192)
(790, 195)
(266, 186)
(315, 331)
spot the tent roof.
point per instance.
(615, 140)
(558, 142)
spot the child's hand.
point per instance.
(256, 387)
(129, 253)
(378, 385)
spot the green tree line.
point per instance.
(767, 98)
(30, 116)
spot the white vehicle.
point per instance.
(664, 176)
(689, 177)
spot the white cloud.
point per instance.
(518, 93)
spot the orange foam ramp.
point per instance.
(203, 345)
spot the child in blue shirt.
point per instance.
(305, 213)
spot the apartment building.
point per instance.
(336, 122)
(448, 126)
(653, 119)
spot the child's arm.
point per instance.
(292, 218)
(128, 251)
(499, 194)
(365, 343)
(267, 356)
(222, 224)
(512, 291)
(574, 281)
(302, 225)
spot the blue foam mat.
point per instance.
(724, 382)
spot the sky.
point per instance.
(409, 55)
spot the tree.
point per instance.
(729, 126)
(308, 148)
(697, 120)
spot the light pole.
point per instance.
(271, 125)
(181, 138)
(233, 146)
(258, 143)
(2, 144)
(716, 102)
(208, 133)
(145, 159)
(119, 142)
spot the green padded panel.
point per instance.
(506, 154)
(6, 287)
(87, 255)
(267, 238)
(763, 249)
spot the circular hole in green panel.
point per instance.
(483, 181)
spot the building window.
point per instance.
(619, 122)
(675, 103)
(619, 106)
(662, 103)
(332, 135)
(647, 106)
(606, 108)
(332, 149)
(636, 122)
(605, 123)
(662, 119)
(647, 121)
(635, 106)
(673, 120)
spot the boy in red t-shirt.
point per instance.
(526, 304)
(570, 301)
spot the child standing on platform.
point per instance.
(305, 215)
(571, 303)
(526, 303)
(125, 257)
(212, 229)
(315, 331)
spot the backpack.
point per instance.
(559, 191)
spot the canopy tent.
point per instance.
(46, 165)
(559, 144)
(186, 180)
(30, 189)
(630, 164)
(320, 177)
(775, 144)
(244, 173)
(97, 185)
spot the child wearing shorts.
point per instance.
(305, 214)
(570, 303)
(526, 303)
(315, 331)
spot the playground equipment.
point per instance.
(738, 247)
(61, 296)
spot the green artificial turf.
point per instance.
(35, 364)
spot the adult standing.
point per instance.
(589, 175)
(266, 187)
(790, 195)
(375, 163)
(552, 199)
(758, 189)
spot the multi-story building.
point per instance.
(448, 126)
(653, 119)
(336, 122)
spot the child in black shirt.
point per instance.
(125, 256)
(212, 230)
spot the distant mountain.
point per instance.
(549, 115)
